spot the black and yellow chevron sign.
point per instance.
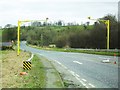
(26, 65)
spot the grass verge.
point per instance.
(11, 67)
(36, 77)
(109, 53)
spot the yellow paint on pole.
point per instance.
(18, 38)
(107, 22)
(18, 32)
(108, 34)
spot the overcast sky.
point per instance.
(67, 10)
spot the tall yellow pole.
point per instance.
(18, 38)
(107, 22)
(108, 34)
(18, 32)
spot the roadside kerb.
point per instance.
(30, 58)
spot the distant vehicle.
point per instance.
(6, 45)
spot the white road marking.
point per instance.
(30, 57)
(77, 75)
(60, 64)
(84, 80)
(40, 54)
(64, 66)
(77, 78)
(86, 86)
(83, 83)
(91, 85)
(77, 62)
(57, 62)
(73, 73)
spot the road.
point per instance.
(87, 68)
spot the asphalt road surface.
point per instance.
(87, 68)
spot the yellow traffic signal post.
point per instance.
(18, 38)
(107, 23)
(18, 32)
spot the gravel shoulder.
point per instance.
(69, 78)
(57, 73)
(53, 79)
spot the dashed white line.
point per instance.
(73, 73)
(40, 54)
(83, 83)
(64, 66)
(77, 75)
(84, 80)
(86, 86)
(77, 62)
(60, 64)
(91, 85)
(77, 78)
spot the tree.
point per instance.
(8, 26)
(9, 34)
(59, 23)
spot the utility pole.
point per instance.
(42, 40)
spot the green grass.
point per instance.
(36, 77)
(90, 52)
(1, 35)
(80, 51)
(1, 32)
(95, 52)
